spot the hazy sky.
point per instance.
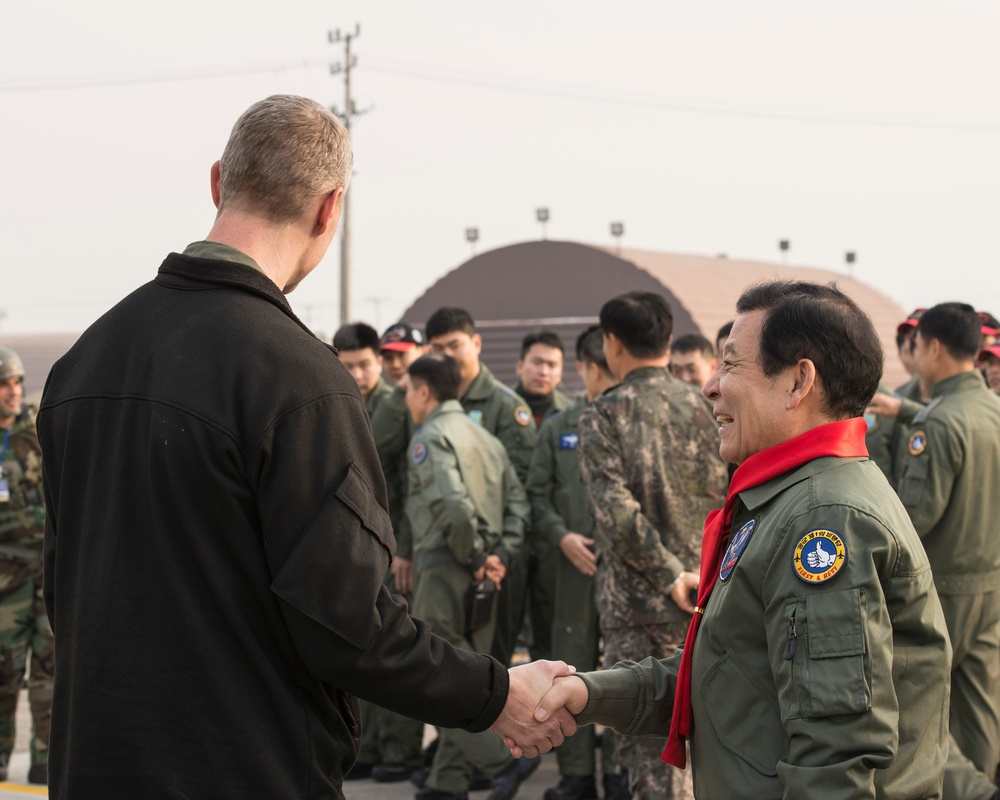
(716, 127)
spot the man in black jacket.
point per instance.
(217, 533)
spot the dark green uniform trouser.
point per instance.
(974, 627)
(543, 569)
(439, 599)
(576, 640)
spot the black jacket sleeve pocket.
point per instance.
(334, 572)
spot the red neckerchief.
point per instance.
(844, 439)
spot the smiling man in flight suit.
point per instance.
(817, 661)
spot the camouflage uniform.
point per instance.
(559, 506)
(953, 457)
(650, 462)
(24, 626)
(543, 557)
(464, 503)
(506, 416)
(388, 737)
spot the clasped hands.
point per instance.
(543, 698)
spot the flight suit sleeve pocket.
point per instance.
(833, 675)
(334, 572)
(913, 481)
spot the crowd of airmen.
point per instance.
(617, 494)
(527, 520)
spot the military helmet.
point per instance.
(11, 365)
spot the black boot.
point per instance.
(573, 787)
(616, 787)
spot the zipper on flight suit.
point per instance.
(790, 644)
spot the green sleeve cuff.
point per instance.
(613, 696)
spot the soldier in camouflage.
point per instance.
(24, 627)
(650, 462)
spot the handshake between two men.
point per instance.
(542, 703)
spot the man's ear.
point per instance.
(216, 182)
(804, 383)
(329, 211)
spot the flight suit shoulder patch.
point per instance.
(569, 441)
(522, 416)
(917, 443)
(819, 555)
(418, 453)
(737, 544)
(476, 415)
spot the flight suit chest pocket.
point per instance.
(831, 664)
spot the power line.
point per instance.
(437, 73)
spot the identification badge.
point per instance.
(4, 490)
(568, 441)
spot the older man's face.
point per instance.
(749, 406)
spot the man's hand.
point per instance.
(523, 733)
(577, 549)
(493, 568)
(570, 693)
(402, 574)
(680, 592)
(884, 405)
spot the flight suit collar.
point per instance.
(447, 407)
(481, 386)
(759, 495)
(962, 382)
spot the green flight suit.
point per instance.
(543, 558)
(559, 506)
(464, 502)
(886, 437)
(388, 737)
(833, 688)
(506, 415)
(948, 486)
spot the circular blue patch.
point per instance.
(419, 452)
(737, 544)
(819, 555)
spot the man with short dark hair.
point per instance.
(652, 472)
(817, 660)
(953, 454)
(217, 517)
(539, 373)
(467, 512)
(560, 511)
(989, 361)
(692, 359)
(358, 346)
(503, 413)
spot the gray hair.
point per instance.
(283, 154)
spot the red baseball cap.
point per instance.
(910, 323)
(992, 350)
(400, 337)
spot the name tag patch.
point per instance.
(569, 441)
(819, 555)
(737, 544)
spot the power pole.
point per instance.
(350, 111)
